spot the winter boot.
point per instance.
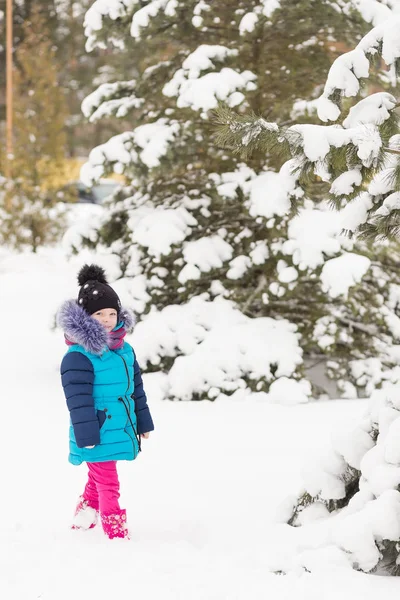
(114, 525)
(85, 515)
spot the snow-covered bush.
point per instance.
(214, 349)
(358, 480)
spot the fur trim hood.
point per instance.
(81, 328)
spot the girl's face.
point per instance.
(107, 317)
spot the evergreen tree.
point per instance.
(30, 215)
(76, 69)
(358, 482)
(194, 220)
(359, 155)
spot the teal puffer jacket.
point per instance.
(104, 391)
(114, 406)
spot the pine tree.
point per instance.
(31, 215)
(359, 481)
(76, 69)
(192, 222)
(359, 155)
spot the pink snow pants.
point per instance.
(102, 488)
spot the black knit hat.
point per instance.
(95, 293)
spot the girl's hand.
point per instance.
(145, 435)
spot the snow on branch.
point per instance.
(358, 478)
(348, 69)
(245, 134)
(141, 19)
(372, 11)
(223, 352)
(130, 12)
(144, 146)
(100, 11)
(204, 91)
(104, 103)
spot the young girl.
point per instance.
(105, 397)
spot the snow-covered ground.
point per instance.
(202, 499)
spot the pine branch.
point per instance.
(262, 282)
(370, 330)
(244, 134)
(391, 151)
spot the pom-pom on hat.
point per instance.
(95, 293)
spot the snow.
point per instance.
(373, 11)
(317, 140)
(353, 443)
(201, 499)
(323, 476)
(373, 514)
(84, 221)
(394, 296)
(204, 92)
(348, 68)
(155, 139)
(257, 127)
(356, 212)
(101, 9)
(200, 7)
(207, 253)
(259, 253)
(220, 347)
(269, 192)
(202, 59)
(324, 332)
(158, 229)
(373, 109)
(312, 513)
(142, 17)
(287, 274)
(228, 182)
(189, 272)
(288, 392)
(145, 145)
(101, 103)
(312, 235)
(384, 180)
(118, 151)
(343, 75)
(269, 6)
(378, 520)
(248, 348)
(238, 267)
(341, 273)
(391, 202)
(303, 107)
(248, 23)
(385, 34)
(344, 184)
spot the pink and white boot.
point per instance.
(114, 525)
(85, 516)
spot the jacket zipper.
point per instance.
(127, 408)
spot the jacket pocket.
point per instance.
(101, 416)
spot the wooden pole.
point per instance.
(9, 88)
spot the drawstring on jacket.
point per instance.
(133, 427)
